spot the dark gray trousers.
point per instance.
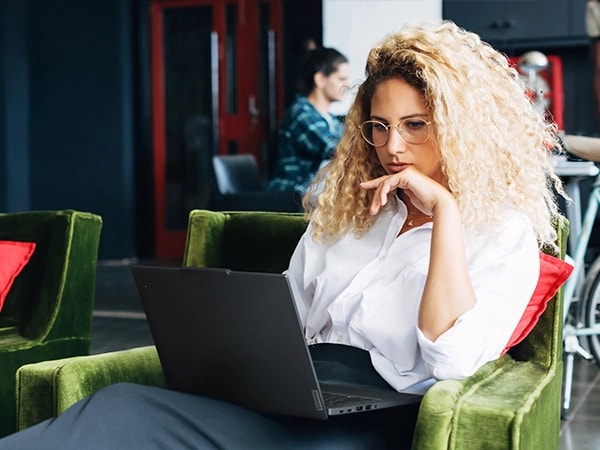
(129, 416)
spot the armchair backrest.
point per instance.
(63, 264)
(250, 241)
(237, 173)
(240, 188)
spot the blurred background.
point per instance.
(117, 106)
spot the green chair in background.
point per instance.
(510, 403)
(48, 310)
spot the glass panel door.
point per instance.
(213, 91)
(188, 118)
(184, 118)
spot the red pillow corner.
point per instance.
(14, 255)
(554, 272)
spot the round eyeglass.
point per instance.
(413, 130)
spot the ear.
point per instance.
(320, 79)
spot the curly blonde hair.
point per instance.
(493, 144)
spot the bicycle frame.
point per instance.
(581, 247)
(573, 286)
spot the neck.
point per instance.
(411, 210)
(320, 103)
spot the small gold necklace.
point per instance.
(411, 222)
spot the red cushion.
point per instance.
(13, 257)
(553, 273)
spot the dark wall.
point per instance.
(68, 84)
(302, 19)
(14, 108)
(81, 113)
(580, 115)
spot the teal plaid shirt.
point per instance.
(305, 138)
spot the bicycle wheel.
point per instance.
(591, 306)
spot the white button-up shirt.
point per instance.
(365, 292)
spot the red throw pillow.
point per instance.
(553, 273)
(13, 257)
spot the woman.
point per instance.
(421, 253)
(308, 133)
(436, 204)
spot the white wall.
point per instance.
(354, 26)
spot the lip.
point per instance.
(397, 167)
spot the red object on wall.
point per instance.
(553, 76)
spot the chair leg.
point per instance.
(567, 386)
(572, 347)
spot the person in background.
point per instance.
(308, 133)
(592, 28)
(421, 255)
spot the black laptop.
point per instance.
(237, 336)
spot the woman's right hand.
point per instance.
(423, 192)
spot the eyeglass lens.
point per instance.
(413, 131)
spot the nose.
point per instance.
(395, 142)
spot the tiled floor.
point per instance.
(581, 431)
(119, 323)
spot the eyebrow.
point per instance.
(409, 116)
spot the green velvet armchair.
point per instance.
(48, 310)
(510, 403)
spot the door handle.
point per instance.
(214, 81)
(252, 109)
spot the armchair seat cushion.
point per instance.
(11, 339)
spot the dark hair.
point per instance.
(324, 60)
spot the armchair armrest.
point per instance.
(46, 389)
(516, 403)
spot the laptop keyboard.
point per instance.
(340, 400)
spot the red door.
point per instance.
(215, 89)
